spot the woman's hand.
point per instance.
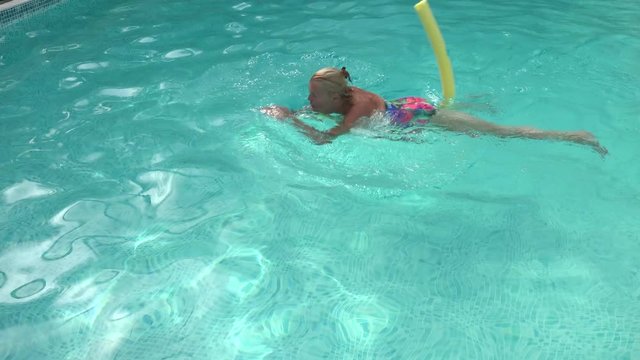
(278, 112)
(282, 113)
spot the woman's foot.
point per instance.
(587, 138)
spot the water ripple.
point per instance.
(145, 205)
(60, 48)
(29, 289)
(29, 276)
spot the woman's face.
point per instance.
(322, 100)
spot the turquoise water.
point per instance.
(148, 211)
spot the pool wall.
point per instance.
(15, 10)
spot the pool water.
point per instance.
(149, 211)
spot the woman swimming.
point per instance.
(329, 93)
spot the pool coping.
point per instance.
(12, 3)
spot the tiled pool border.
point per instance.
(17, 9)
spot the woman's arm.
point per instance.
(319, 137)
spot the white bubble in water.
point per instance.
(241, 6)
(81, 103)
(235, 27)
(269, 45)
(93, 65)
(180, 53)
(92, 157)
(129, 28)
(121, 92)
(235, 48)
(70, 82)
(25, 190)
(217, 122)
(147, 39)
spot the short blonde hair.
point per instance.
(334, 81)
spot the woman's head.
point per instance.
(328, 91)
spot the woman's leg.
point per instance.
(459, 121)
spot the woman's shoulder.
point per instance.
(367, 99)
(363, 91)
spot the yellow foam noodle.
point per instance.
(437, 43)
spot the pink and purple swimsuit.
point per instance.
(408, 111)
